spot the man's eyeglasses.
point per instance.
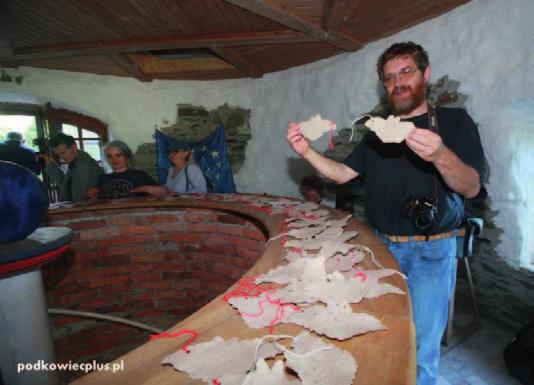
(404, 74)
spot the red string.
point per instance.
(279, 311)
(246, 288)
(185, 346)
(298, 250)
(362, 275)
(265, 209)
(331, 126)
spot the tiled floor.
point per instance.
(477, 360)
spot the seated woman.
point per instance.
(184, 177)
(124, 178)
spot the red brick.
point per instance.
(232, 219)
(60, 320)
(96, 303)
(77, 298)
(109, 281)
(168, 266)
(202, 228)
(125, 220)
(101, 233)
(128, 249)
(146, 276)
(134, 267)
(89, 224)
(222, 268)
(148, 313)
(96, 273)
(110, 261)
(154, 285)
(175, 227)
(140, 229)
(91, 253)
(121, 240)
(160, 218)
(229, 229)
(147, 257)
(254, 234)
(194, 218)
(181, 237)
(176, 275)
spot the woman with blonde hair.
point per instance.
(184, 177)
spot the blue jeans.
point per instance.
(430, 268)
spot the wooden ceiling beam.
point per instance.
(161, 43)
(276, 11)
(6, 47)
(336, 11)
(127, 64)
(232, 57)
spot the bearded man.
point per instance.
(414, 190)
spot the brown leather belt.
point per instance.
(435, 237)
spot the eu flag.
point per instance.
(210, 154)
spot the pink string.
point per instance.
(331, 126)
(246, 288)
(361, 274)
(279, 311)
(185, 346)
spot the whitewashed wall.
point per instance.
(486, 44)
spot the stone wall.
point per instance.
(195, 123)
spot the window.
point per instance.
(37, 124)
(87, 140)
(90, 133)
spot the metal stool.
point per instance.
(473, 226)
(24, 325)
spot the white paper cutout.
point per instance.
(228, 361)
(315, 127)
(331, 366)
(263, 375)
(390, 130)
(333, 321)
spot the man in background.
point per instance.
(13, 150)
(83, 171)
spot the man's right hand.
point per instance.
(300, 144)
(44, 158)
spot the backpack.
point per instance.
(519, 355)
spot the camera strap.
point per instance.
(433, 126)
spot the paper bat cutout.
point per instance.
(390, 130)
(315, 127)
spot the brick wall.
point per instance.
(149, 265)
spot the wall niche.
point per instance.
(193, 124)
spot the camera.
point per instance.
(422, 211)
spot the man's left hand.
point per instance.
(425, 143)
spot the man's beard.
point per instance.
(408, 103)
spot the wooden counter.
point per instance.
(383, 357)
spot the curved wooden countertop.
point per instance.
(383, 357)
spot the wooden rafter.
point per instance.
(6, 48)
(274, 10)
(137, 45)
(123, 61)
(232, 57)
(335, 13)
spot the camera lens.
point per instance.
(423, 222)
